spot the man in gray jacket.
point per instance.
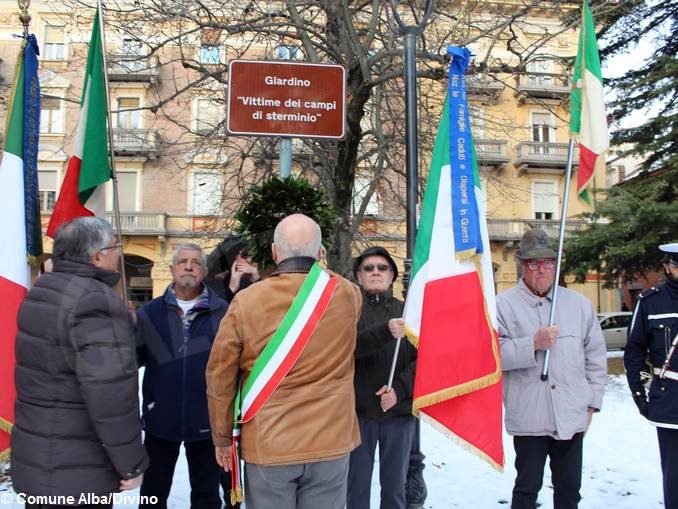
(548, 418)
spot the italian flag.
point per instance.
(82, 192)
(20, 208)
(450, 310)
(588, 119)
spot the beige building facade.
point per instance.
(170, 186)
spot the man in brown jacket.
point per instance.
(296, 448)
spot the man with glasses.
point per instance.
(175, 333)
(653, 334)
(77, 432)
(548, 417)
(384, 413)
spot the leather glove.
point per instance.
(641, 402)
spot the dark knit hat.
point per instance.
(374, 251)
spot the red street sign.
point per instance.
(286, 99)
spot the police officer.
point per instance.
(654, 334)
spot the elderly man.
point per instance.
(548, 418)
(77, 431)
(290, 339)
(175, 333)
(653, 335)
(384, 414)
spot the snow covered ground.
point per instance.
(621, 466)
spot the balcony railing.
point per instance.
(131, 67)
(491, 152)
(136, 141)
(482, 86)
(544, 85)
(513, 229)
(543, 155)
(140, 223)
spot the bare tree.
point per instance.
(192, 41)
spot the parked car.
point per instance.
(615, 328)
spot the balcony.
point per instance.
(543, 86)
(136, 142)
(131, 67)
(513, 229)
(483, 88)
(543, 157)
(491, 152)
(140, 223)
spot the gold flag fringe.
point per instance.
(4, 455)
(461, 442)
(412, 336)
(5, 426)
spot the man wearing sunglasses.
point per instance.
(654, 334)
(548, 417)
(384, 414)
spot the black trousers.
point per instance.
(416, 456)
(566, 465)
(203, 472)
(668, 451)
(395, 443)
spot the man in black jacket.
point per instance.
(77, 435)
(384, 414)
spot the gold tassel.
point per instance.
(236, 495)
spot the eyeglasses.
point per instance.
(544, 264)
(381, 267)
(117, 245)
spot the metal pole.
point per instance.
(285, 148)
(561, 237)
(411, 144)
(114, 175)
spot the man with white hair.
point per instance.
(290, 340)
(175, 333)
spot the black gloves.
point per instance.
(641, 401)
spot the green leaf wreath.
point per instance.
(273, 200)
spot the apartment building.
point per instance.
(168, 106)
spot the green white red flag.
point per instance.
(588, 119)
(450, 312)
(21, 231)
(82, 192)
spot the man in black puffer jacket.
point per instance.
(77, 431)
(385, 416)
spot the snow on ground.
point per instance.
(621, 466)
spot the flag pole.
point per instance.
(559, 258)
(114, 175)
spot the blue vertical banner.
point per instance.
(465, 218)
(30, 147)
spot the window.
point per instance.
(544, 199)
(51, 118)
(209, 54)
(361, 186)
(543, 133)
(128, 114)
(54, 47)
(127, 190)
(208, 115)
(210, 50)
(131, 47)
(206, 193)
(47, 186)
(542, 69)
(288, 52)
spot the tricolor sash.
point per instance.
(278, 357)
